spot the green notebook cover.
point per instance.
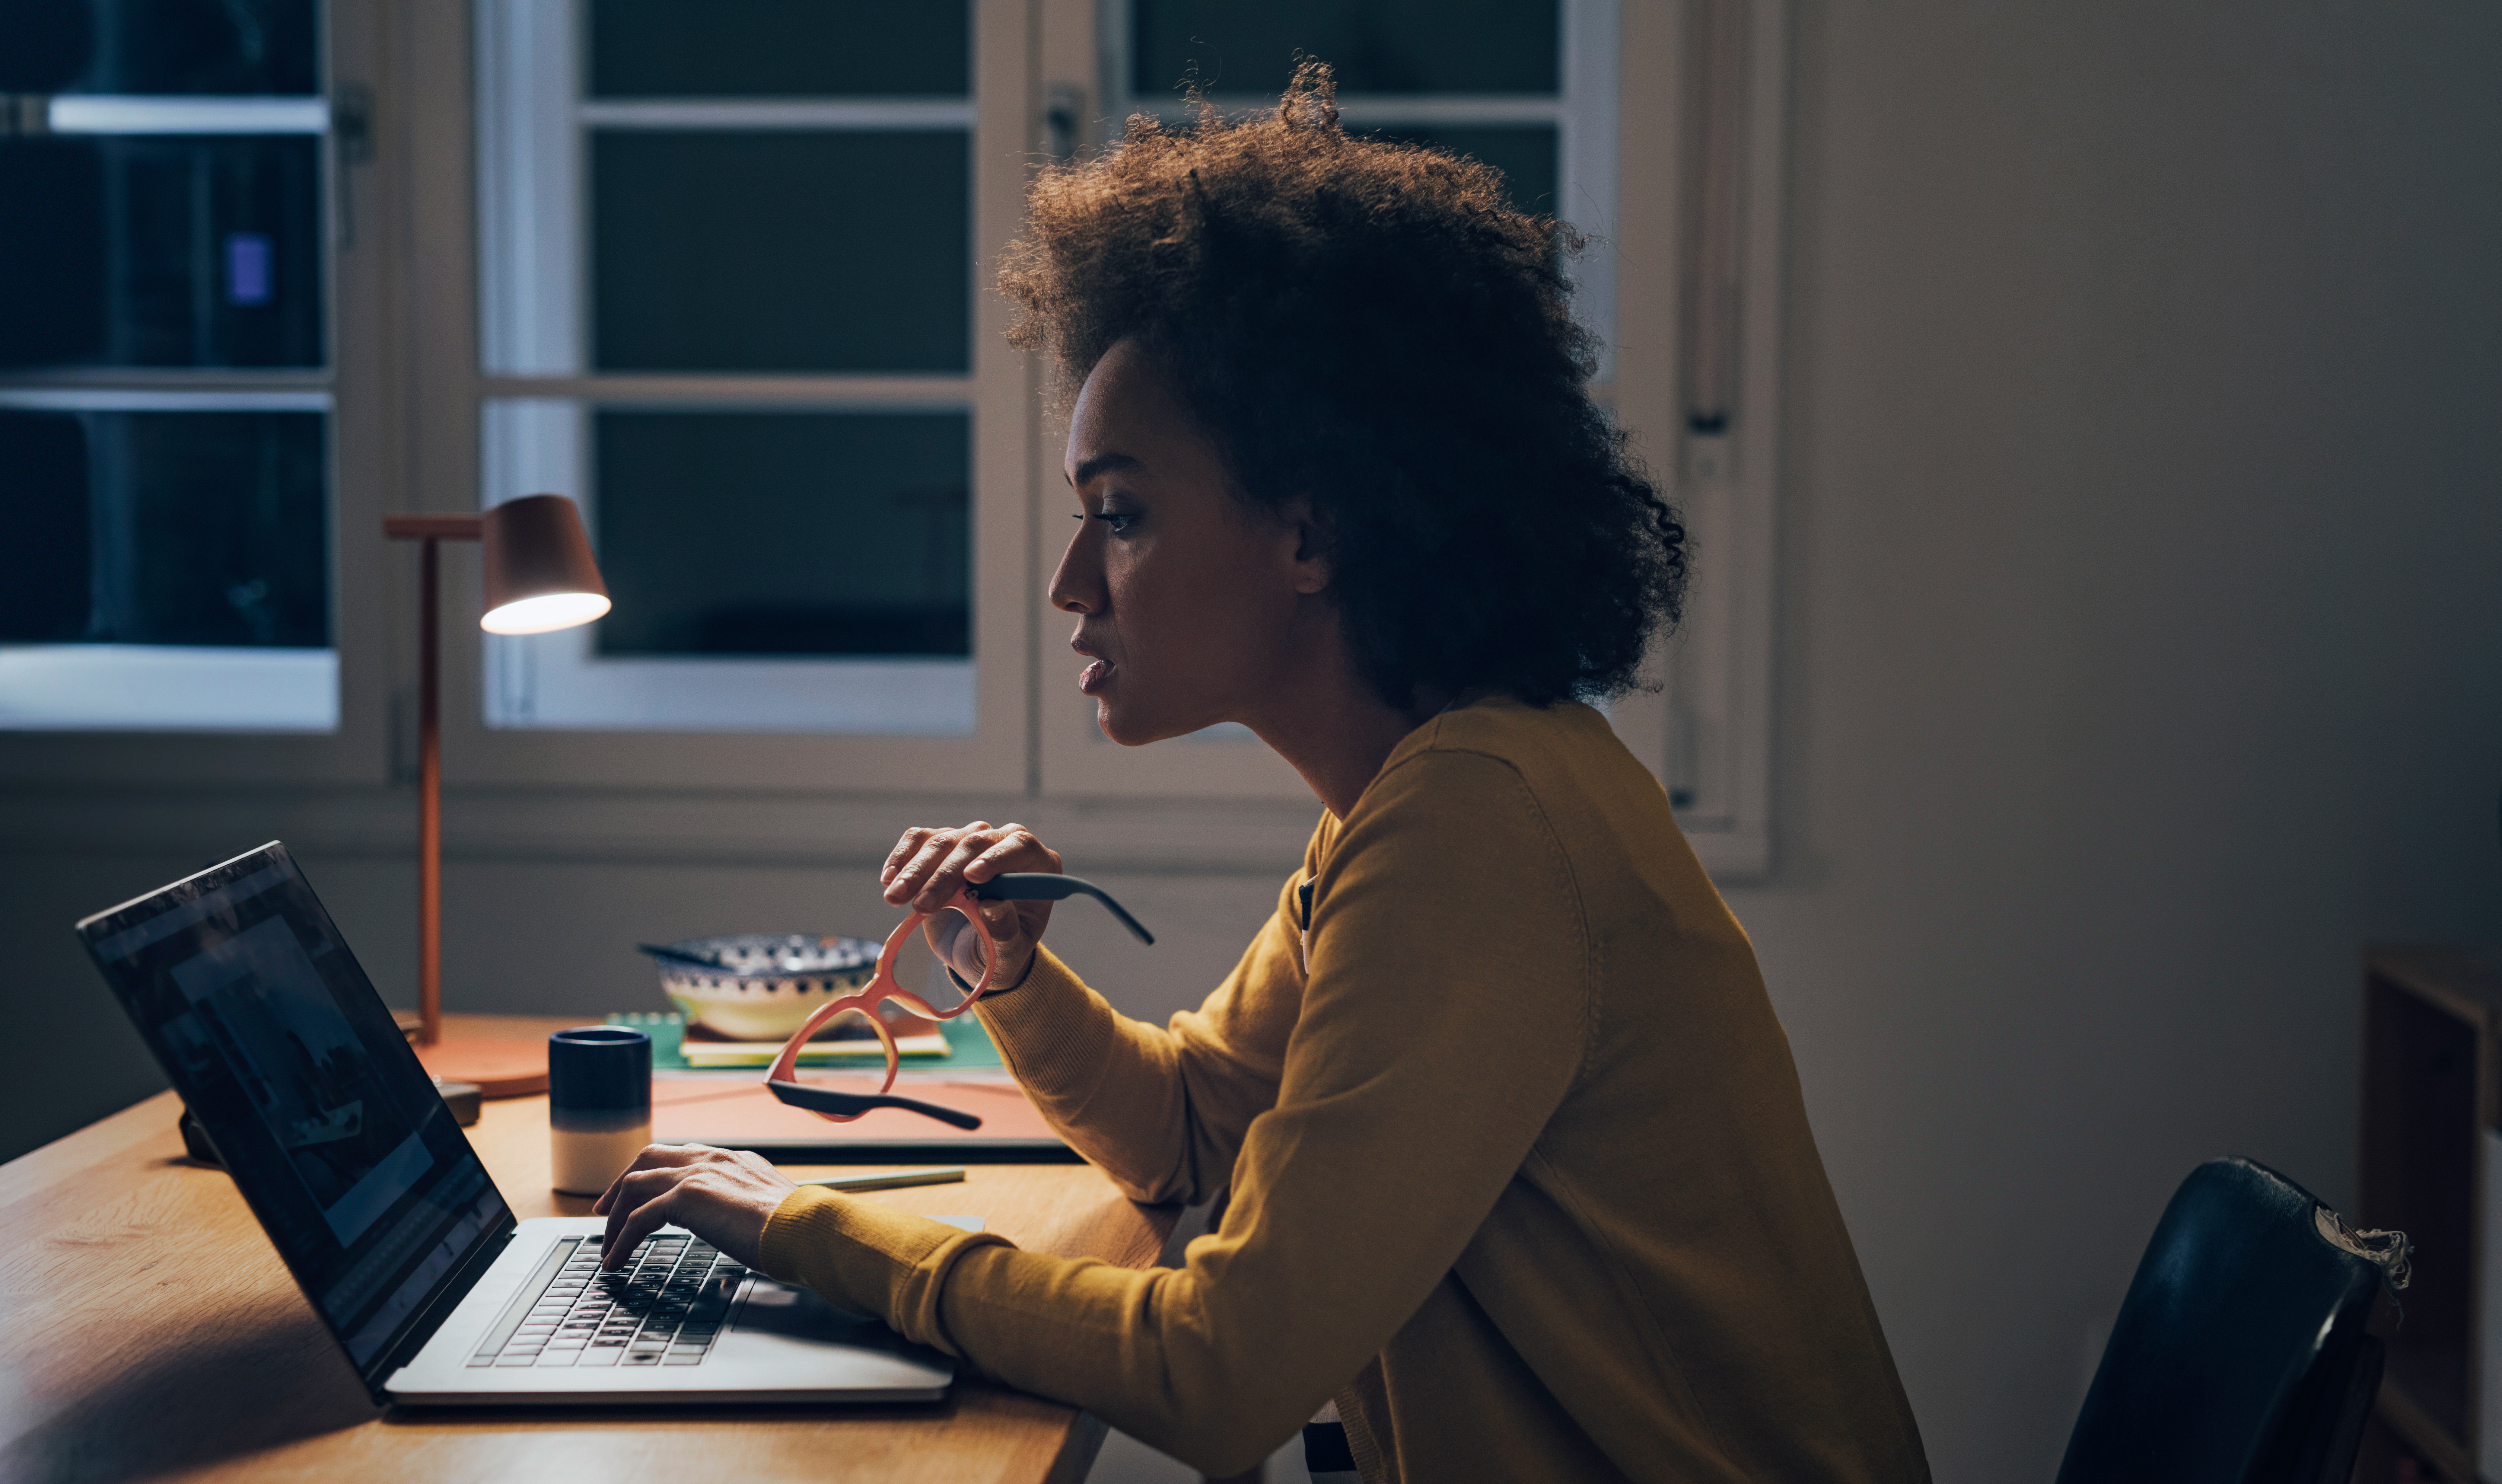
(968, 1044)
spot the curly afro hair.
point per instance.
(1369, 325)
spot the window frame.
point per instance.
(998, 389)
(358, 221)
(1706, 731)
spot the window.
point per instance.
(165, 370)
(737, 242)
(723, 274)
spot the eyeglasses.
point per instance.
(842, 1107)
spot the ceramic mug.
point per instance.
(599, 1105)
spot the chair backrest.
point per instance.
(2239, 1355)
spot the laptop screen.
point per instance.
(333, 1132)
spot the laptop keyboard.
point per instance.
(666, 1309)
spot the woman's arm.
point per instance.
(1162, 1109)
(1447, 1015)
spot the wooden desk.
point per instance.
(153, 1332)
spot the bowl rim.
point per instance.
(864, 952)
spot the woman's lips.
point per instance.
(1091, 679)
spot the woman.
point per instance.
(1519, 1175)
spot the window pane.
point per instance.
(191, 250)
(1239, 47)
(785, 533)
(167, 528)
(167, 688)
(561, 681)
(780, 49)
(1523, 153)
(45, 599)
(740, 250)
(224, 46)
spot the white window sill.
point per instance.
(167, 688)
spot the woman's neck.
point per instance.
(1336, 730)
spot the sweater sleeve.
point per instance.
(1446, 1015)
(1162, 1109)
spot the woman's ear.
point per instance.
(1310, 560)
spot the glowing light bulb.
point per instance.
(545, 613)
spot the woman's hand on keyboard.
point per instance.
(724, 1195)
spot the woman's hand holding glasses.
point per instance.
(931, 864)
(981, 917)
(999, 871)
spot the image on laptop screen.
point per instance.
(280, 1046)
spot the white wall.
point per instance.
(2141, 627)
(2140, 660)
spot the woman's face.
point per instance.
(1194, 608)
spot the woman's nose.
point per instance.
(1077, 586)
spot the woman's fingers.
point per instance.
(628, 1233)
(914, 880)
(928, 866)
(657, 1169)
(975, 852)
(1012, 847)
(722, 1196)
(904, 848)
(917, 853)
(653, 1157)
(947, 878)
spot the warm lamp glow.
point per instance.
(539, 571)
(545, 613)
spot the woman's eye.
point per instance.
(1118, 519)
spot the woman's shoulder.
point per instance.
(1495, 762)
(1555, 750)
(1498, 788)
(1496, 723)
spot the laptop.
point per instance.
(275, 1038)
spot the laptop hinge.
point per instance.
(446, 1297)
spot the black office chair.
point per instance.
(2239, 1355)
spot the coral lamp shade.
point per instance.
(540, 575)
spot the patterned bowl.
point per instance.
(759, 986)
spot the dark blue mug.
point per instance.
(599, 1105)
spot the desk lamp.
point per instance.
(540, 577)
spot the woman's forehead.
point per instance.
(1129, 416)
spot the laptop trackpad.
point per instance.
(779, 1321)
(783, 1323)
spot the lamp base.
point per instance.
(499, 1069)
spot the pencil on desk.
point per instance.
(891, 1180)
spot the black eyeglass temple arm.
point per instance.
(826, 1099)
(1044, 885)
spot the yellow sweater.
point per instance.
(1519, 1170)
